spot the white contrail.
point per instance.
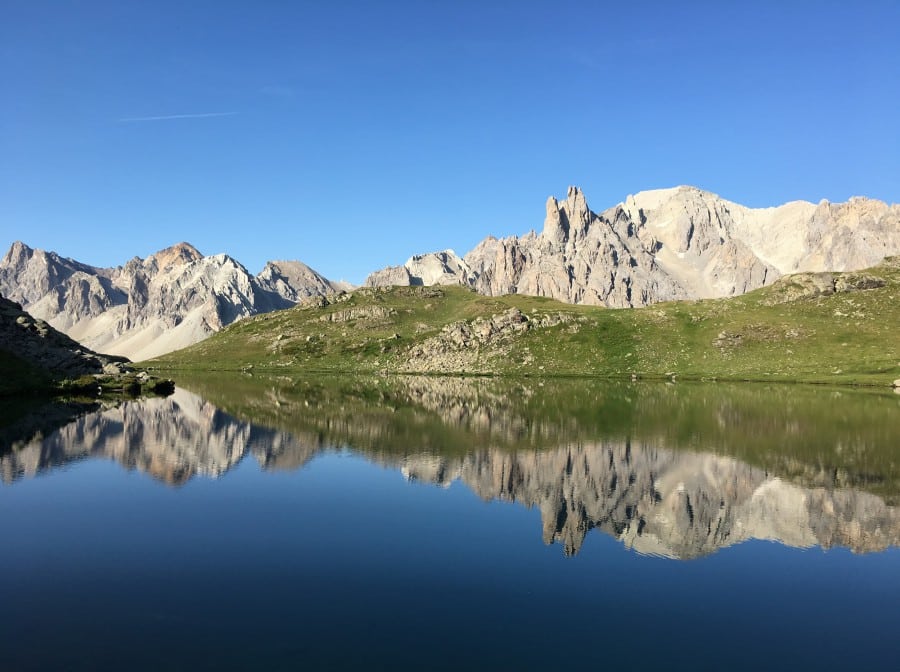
(166, 117)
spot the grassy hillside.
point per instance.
(840, 328)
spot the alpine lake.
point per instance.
(431, 523)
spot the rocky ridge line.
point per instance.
(148, 307)
(661, 245)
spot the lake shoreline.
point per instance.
(543, 375)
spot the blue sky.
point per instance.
(351, 135)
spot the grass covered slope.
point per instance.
(825, 327)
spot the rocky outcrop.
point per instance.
(680, 243)
(436, 268)
(151, 306)
(458, 346)
(812, 285)
(358, 313)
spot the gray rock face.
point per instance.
(295, 281)
(666, 244)
(151, 306)
(436, 268)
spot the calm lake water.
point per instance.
(428, 523)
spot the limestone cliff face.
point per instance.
(437, 268)
(295, 281)
(579, 257)
(680, 243)
(49, 285)
(150, 306)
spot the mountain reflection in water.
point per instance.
(679, 472)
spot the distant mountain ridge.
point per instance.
(151, 306)
(660, 245)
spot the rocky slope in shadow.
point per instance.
(46, 350)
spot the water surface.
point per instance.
(426, 523)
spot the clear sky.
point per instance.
(351, 135)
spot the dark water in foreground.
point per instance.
(455, 524)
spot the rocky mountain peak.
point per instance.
(575, 202)
(295, 281)
(567, 219)
(18, 253)
(556, 224)
(148, 307)
(176, 255)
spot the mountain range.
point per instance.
(151, 306)
(660, 245)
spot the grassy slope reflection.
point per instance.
(816, 437)
(677, 471)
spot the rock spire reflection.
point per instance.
(656, 487)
